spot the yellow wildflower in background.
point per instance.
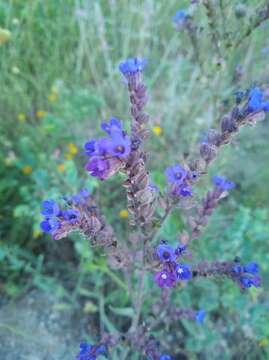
(5, 36)
(21, 117)
(27, 169)
(263, 342)
(40, 114)
(157, 130)
(124, 213)
(52, 97)
(36, 233)
(72, 148)
(61, 168)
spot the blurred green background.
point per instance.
(59, 79)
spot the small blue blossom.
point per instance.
(223, 183)
(183, 272)
(237, 269)
(132, 66)
(111, 126)
(180, 250)
(256, 101)
(119, 145)
(183, 190)
(90, 148)
(50, 208)
(71, 215)
(165, 253)
(252, 268)
(180, 17)
(200, 316)
(246, 281)
(49, 225)
(91, 352)
(165, 357)
(176, 174)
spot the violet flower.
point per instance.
(165, 278)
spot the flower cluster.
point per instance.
(132, 66)
(91, 352)
(108, 154)
(58, 220)
(256, 101)
(179, 179)
(171, 272)
(246, 275)
(222, 183)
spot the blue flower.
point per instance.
(176, 174)
(90, 148)
(71, 216)
(183, 272)
(166, 253)
(119, 145)
(183, 190)
(180, 17)
(223, 183)
(256, 101)
(165, 357)
(49, 225)
(237, 269)
(246, 282)
(252, 268)
(180, 250)
(200, 316)
(91, 352)
(113, 125)
(132, 66)
(50, 208)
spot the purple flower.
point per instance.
(165, 278)
(50, 208)
(132, 66)
(119, 145)
(98, 167)
(183, 272)
(90, 148)
(176, 174)
(223, 183)
(256, 102)
(154, 187)
(182, 190)
(165, 253)
(49, 225)
(252, 268)
(111, 126)
(71, 216)
(102, 146)
(200, 316)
